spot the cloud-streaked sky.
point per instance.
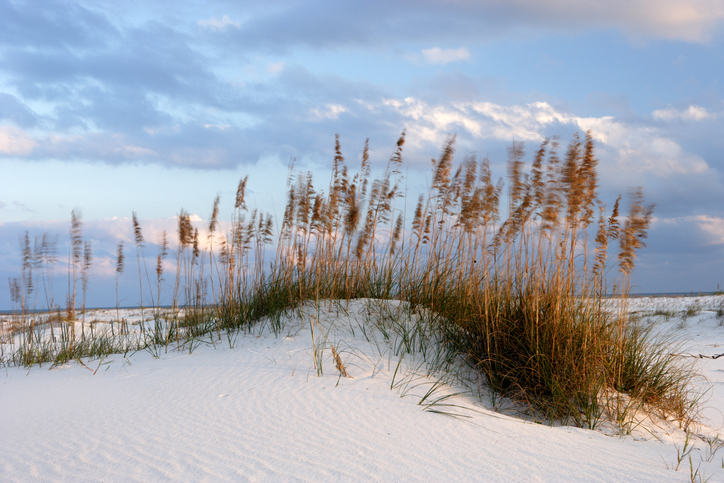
(114, 107)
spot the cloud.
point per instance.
(284, 108)
(217, 24)
(692, 113)
(186, 116)
(15, 111)
(712, 226)
(57, 26)
(110, 147)
(632, 152)
(20, 206)
(275, 67)
(659, 156)
(480, 120)
(687, 234)
(330, 111)
(14, 142)
(143, 77)
(687, 20)
(437, 55)
(152, 93)
(340, 24)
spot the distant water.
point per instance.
(44, 311)
(636, 295)
(669, 294)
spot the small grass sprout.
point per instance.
(697, 475)
(714, 444)
(684, 451)
(692, 309)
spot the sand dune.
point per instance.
(256, 409)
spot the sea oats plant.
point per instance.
(521, 299)
(87, 262)
(75, 256)
(140, 246)
(120, 267)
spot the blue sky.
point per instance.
(111, 108)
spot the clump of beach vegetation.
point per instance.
(517, 283)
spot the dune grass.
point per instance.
(519, 300)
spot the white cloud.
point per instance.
(330, 111)
(13, 141)
(217, 24)
(132, 151)
(657, 156)
(630, 148)
(691, 20)
(522, 122)
(481, 119)
(437, 55)
(275, 67)
(94, 145)
(711, 226)
(688, 20)
(692, 113)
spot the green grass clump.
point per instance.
(520, 300)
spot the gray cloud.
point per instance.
(55, 26)
(15, 111)
(332, 25)
(281, 26)
(19, 205)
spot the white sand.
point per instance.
(259, 412)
